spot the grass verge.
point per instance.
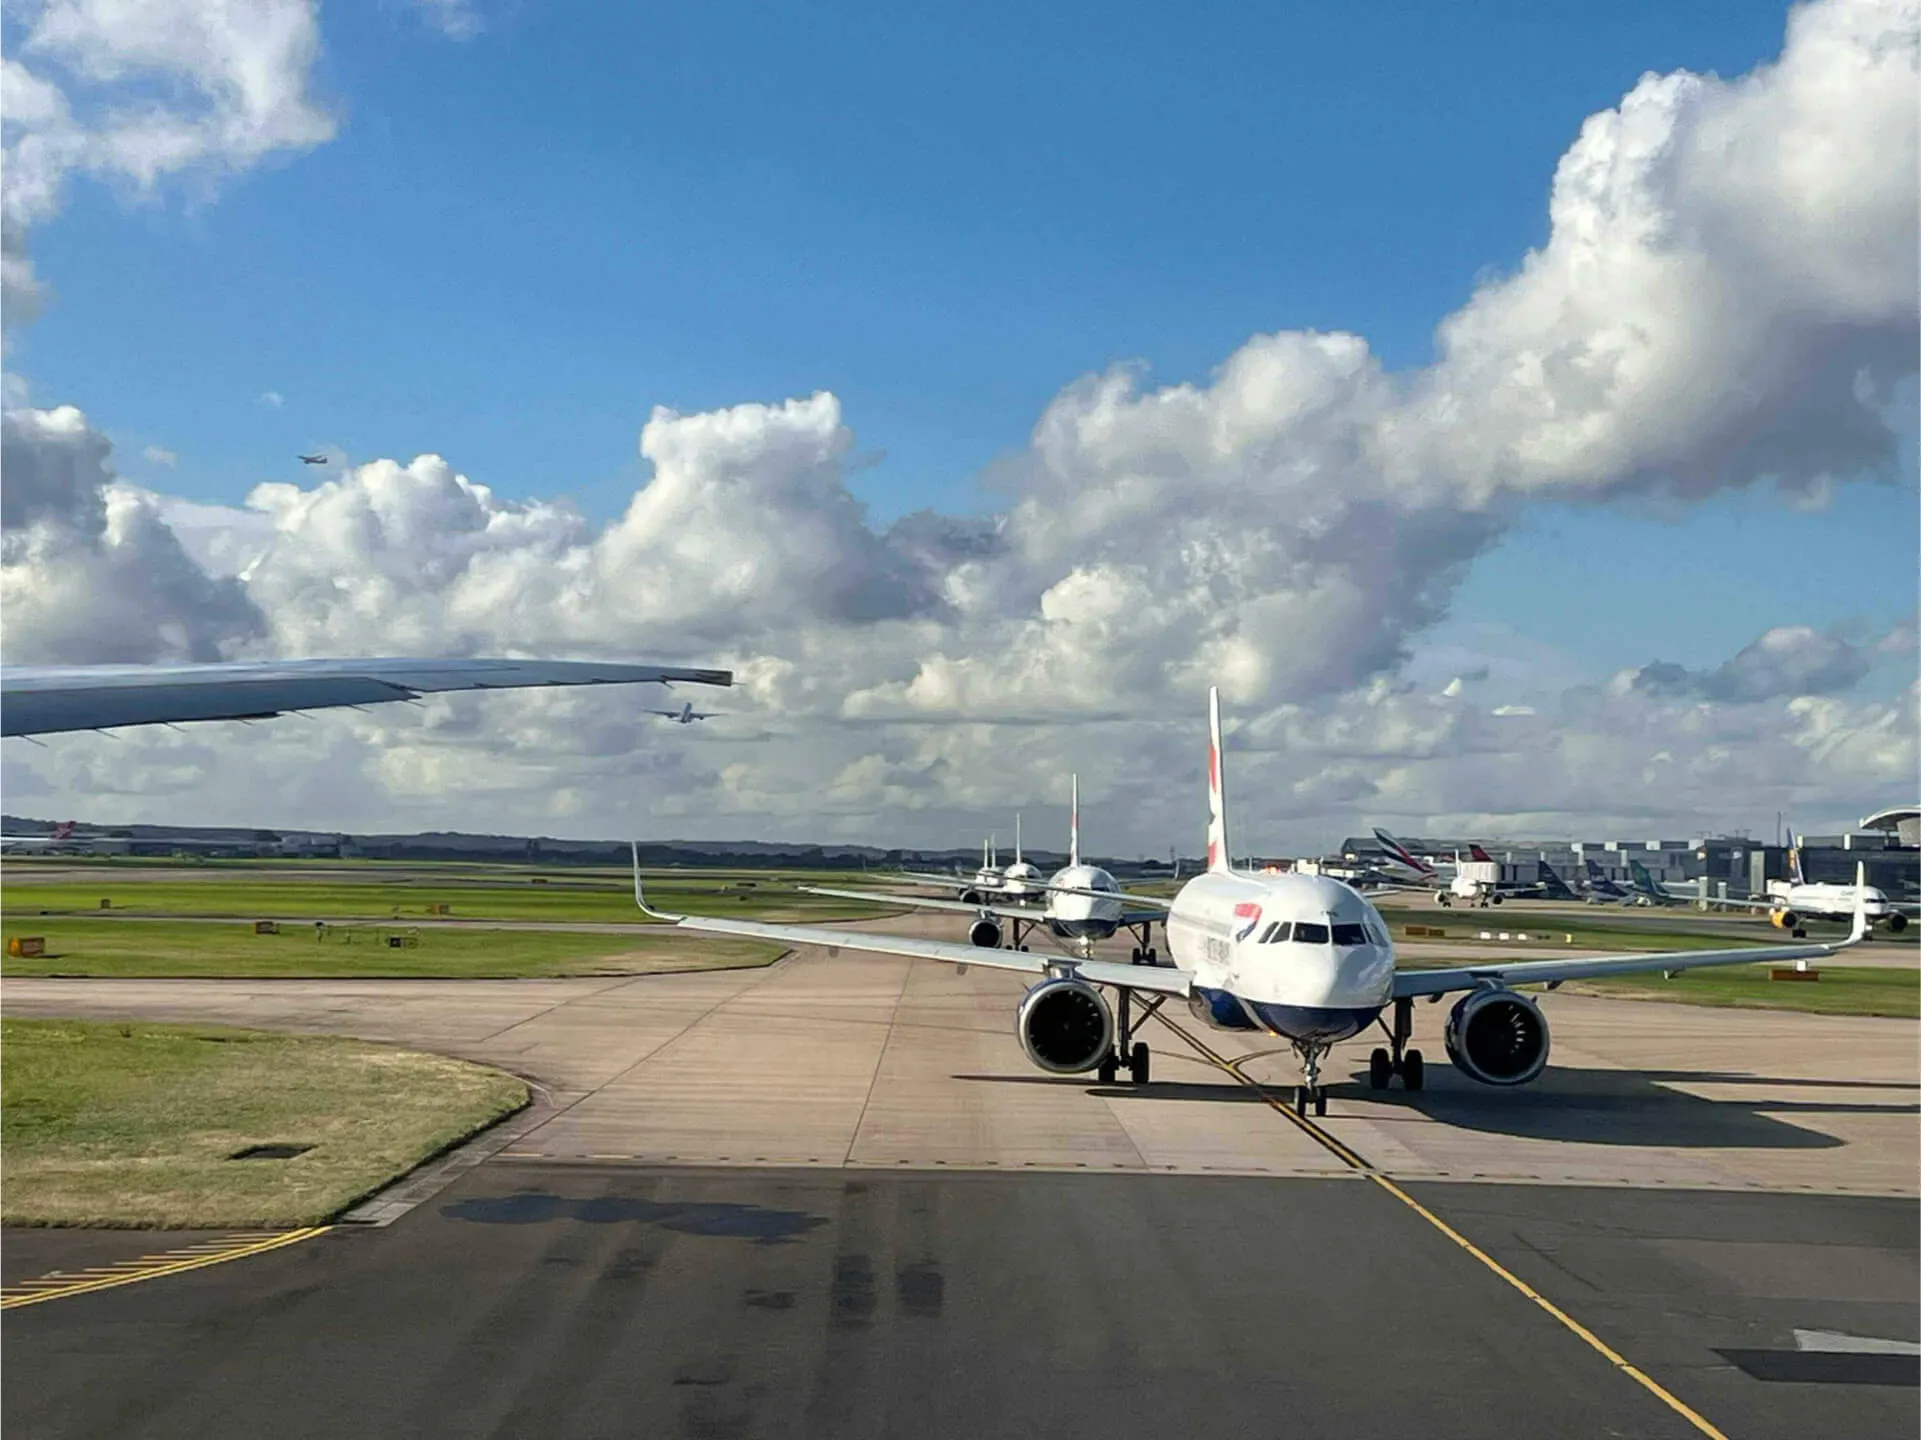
(1841, 990)
(182, 948)
(132, 1124)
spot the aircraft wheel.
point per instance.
(1380, 1070)
(1109, 1068)
(1320, 1102)
(1800, 932)
(1138, 957)
(1413, 1070)
(1300, 1100)
(1153, 956)
(1140, 1063)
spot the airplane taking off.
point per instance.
(1304, 958)
(1082, 904)
(686, 715)
(61, 834)
(313, 459)
(47, 699)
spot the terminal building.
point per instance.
(1888, 843)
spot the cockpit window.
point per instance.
(1277, 932)
(1306, 932)
(1350, 935)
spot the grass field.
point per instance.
(1841, 990)
(134, 1124)
(254, 894)
(97, 947)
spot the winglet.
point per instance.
(640, 897)
(1860, 930)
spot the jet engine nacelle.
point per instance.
(1783, 919)
(971, 897)
(1065, 1026)
(1498, 1037)
(984, 933)
(1897, 922)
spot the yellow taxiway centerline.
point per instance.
(150, 1267)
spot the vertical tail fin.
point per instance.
(1794, 859)
(1074, 820)
(1217, 853)
(1017, 837)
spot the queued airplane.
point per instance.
(49, 699)
(686, 715)
(1081, 904)
(61, 834)
(1019, 880)
(1649, 891)
(1304, 958)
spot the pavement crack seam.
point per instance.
(880, 1059)
(767, 973)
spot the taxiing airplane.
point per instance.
(1304, 958)
(686, 715)
(1791, 901)
(1081, 903)
(48, 699)
(1020, 880)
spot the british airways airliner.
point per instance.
(1304, 958)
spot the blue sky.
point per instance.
(520, 243)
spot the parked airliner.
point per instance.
(1304, 958)
(1080, 903)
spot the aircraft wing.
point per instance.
(1159, 904)
(1553, 972)
(41, 700)
(922, 902)
(1160, 979)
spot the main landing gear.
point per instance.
(1383, 1065)
(1128, 1053)
(1144, 952)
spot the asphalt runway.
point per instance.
(831, 1197)
(579, 1300)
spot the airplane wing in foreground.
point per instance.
(41, 700)
(1156, 978)
(923, 902)
(1552, 972)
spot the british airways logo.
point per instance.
(1250, 912)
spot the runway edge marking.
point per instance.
(1360, 1163)
(148, 1267)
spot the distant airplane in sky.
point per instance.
(686, 715)
(313, 459)
(1301, 957)
(45, 699)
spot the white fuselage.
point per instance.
(1304, 957)
(1827, 902)
(1083, 917)
(1020, 881)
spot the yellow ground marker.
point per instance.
(1355, 1160)
(151, 1267)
